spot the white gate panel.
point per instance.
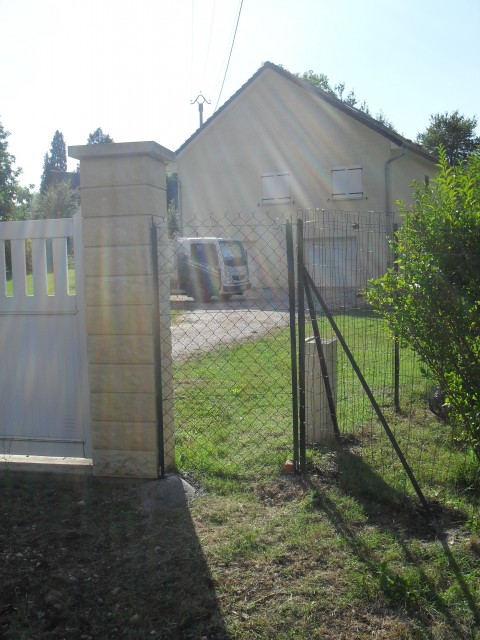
(43, 385)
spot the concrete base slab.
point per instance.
(46, 464)
(171, 492)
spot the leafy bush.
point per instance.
(58, 200)
(431, 298)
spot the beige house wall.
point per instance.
(123, 190)
(273, 125)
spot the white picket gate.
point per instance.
(43, 360)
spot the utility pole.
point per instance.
(200, 100)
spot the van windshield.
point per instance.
(234, 255)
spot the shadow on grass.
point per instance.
(386, 504)
(398, 515)
(91, 558)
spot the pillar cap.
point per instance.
(118, 149)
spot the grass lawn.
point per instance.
(233, 412)
(50, 284)
(285, 558)
(342, 553)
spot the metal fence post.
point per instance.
(157, 351)
(301, 344)
(293, 338)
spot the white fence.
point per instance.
(43, 372)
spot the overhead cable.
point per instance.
(230, 55)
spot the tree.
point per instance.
(58, 200)
(173, 215)
(56, 160)
(350, 98)
(454, 132)
(321, 81)
(382, 118)
(98, 137)
(8, 178)
(431, 300)
(24, 199)
(45, 173)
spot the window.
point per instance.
(276, 188)
(347, 182)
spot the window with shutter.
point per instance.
(347, 183)
(276, 188)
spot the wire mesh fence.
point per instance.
(342, 252)
(231, 350)
(232, 357)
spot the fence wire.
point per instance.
(231, 362)
(343, 251)
(232, 394)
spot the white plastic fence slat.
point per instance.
(37, 232)
(17, 229)
(3, 271)
(39, 268)
(19, 269)
(60, 266)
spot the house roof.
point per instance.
(370, 122)
(73, 177)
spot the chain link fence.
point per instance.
(231, 351)
(342, 252)
(232, 360)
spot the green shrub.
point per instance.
(431, 298)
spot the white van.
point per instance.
(211, 267)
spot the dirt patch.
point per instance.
(86, 558)
(202, 330)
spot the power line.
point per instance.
(192, 42)
(230, 55)
(209, 41)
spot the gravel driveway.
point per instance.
(201, 328)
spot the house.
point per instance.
(280, 145)
(55, 177)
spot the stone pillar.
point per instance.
(123, 186)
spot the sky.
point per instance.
(133, 68)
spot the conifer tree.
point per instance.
(98, 137)
(55, 160)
